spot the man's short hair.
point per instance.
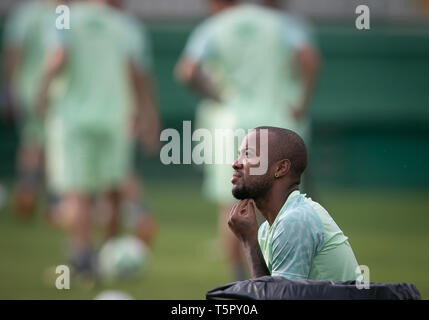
(286, 144)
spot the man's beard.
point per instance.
(251, 191)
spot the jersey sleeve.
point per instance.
(297, 33)
(146, 56)
(139, 45)
(296, 241)
(199, 43)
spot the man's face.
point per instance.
(245, 184)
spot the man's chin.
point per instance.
(239, 193)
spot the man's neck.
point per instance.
(273, 201)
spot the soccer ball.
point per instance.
(122, 257)
(113, 295)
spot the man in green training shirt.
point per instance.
(299, 239)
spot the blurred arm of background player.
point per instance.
(11, 64)
(12, 59)
(192, 74)
(53, 64)
(189, 69)
(145, 121)
(308, 63)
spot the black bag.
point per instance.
(279, 288)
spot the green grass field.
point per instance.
(388, 231)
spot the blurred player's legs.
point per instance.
(30, 166)
(140, 218)
(78, 208)
(84, 163)
(114, 201)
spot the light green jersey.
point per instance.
(304, 242)
(26, 30)
(249, 53)
(99, 45)
(89, 146)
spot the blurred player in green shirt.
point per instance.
(25, 50)
(98, 97)
(254, 66)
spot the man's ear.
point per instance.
(283, 167)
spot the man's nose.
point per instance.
(237, 164)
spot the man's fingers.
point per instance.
(250, 208)
(243, 206)
(231, 214)
(239, 209)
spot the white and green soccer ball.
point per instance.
(113, 295)
(122, 257)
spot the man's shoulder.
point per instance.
(303, 211)
(206, 24)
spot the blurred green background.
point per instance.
(369, 158)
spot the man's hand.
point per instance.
(242, 220)
(299, 113)
(42, 102)
(191, 73)
(146, 133)
(149, 139)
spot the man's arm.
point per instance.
(191, 73)
(255, 259)
(189, 69)
(53, 65)
(308, 62)
(242, 221)
(11, 62)
(145, 121)
(11, 65)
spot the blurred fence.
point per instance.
(370, 113)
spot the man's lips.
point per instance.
(235, 177)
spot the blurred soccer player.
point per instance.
(96, 88)
(254, 67)
(25, 50)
